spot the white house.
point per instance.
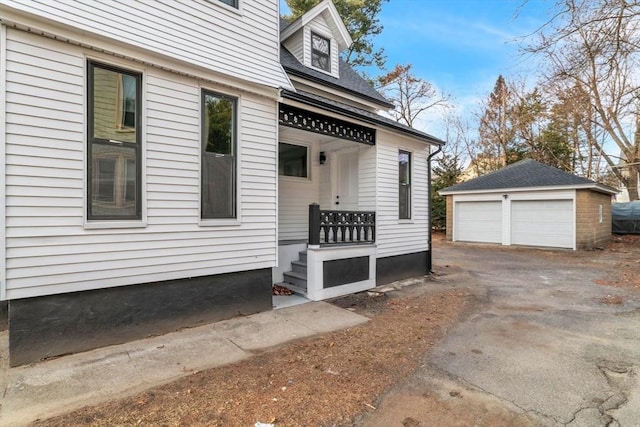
(161, 162)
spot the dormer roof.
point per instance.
(348, 81)
(327, 9)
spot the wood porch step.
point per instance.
(297, 289)
(296, 279)
(299, 267)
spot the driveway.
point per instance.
(543, 341)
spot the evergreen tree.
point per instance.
(446, 172)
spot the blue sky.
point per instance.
(460, 46)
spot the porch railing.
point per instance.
(340, 227)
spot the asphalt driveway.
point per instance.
(543, 341)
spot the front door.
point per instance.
(346, 197)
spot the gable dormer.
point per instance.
(317, 38)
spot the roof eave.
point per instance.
(298, 73)
(595, 187)
(294, 96)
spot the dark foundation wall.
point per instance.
(69, 323)
(4, 305)
(390, 269)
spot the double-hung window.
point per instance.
(113, 152)
(320, 52)
(218, 188)
(404, 181)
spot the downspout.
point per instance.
(429, 213)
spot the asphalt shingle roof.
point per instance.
(522, 174)
(349, 79)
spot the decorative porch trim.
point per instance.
(325, 125)
(341, 227)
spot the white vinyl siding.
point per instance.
(199, 32)
(295, 196)
(542, 223)
(48, 248)
(479, 221)
(295, 45)
(395, 236)
(367, 178)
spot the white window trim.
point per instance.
(115, 224)
(300, 179)
(221, 222)
(411, 218)
(307, 47)
(237, 10)
(600, 214)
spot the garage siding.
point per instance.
(591, 229)
(544, 218)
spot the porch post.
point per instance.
(314, 224)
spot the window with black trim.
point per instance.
(232, 3)
(293, 160)
(320, 52)
(113, 147)
(404, 181)
(218, 189)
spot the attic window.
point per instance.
(320, 52)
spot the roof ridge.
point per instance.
(526, 173)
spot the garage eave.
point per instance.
(594, 187)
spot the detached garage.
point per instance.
(531, 204)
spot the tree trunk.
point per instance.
(632, 182)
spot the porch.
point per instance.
(326, 205)
(338, 258)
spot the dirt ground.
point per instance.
(625, 251)
(339, 379)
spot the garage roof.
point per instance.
(523, 175)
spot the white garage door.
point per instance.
(478, 222)
(542, 223)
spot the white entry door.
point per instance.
(346, 197)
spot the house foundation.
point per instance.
(54, 325)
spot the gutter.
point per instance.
(430, 212)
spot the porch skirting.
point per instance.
(54, 325)
(390, 269)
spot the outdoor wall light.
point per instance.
(322, 158)
(505, 196)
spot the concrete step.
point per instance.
(299, 267)
(296, 279)
(303, 256)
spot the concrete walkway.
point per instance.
(57, 386)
